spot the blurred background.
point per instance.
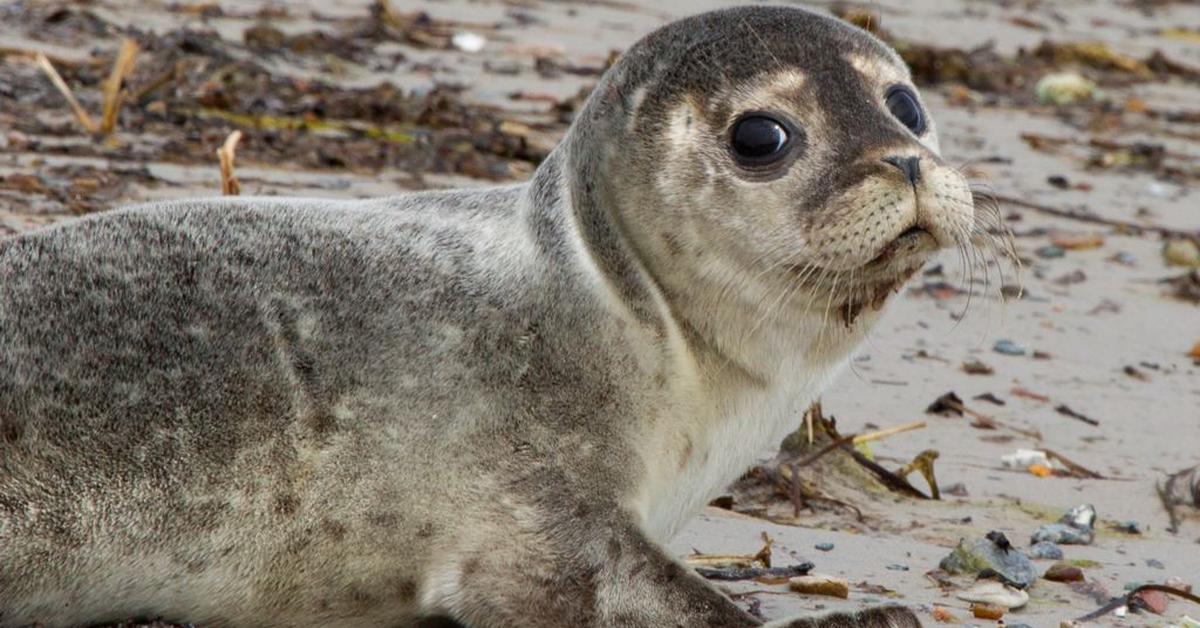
(1082, 119)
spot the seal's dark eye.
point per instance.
(903, 104)
(758, 140)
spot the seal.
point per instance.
(486, 406)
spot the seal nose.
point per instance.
(910, 166)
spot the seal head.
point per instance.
(770, 160)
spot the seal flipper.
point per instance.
(878, 617)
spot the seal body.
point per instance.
(484, 405)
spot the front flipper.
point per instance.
(878, 617)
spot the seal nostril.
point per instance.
(910, 166)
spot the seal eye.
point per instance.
(759, 140)
(903, 104)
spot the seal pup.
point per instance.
(488, 406)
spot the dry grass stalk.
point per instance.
(81, 114)
(891, 431)
(229, 182)
(113, 96)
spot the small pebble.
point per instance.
(824, 547)
(987, 611)
(1008, 347)
(1129, 527)
(1046, 550)
(1124, 259)
(1155, 563)
(1182, 252)
(1062, 572)
(1156, 601)
(897, 567)
(1050, 252)
(1058, 181)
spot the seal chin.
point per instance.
(915, 242)
(887, 272)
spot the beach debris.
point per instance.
(990, 398)
(922, 463)
(958, 489)
(1175, 582)
(949, 404)
(1065, 410)
(1185, 287)
(225, 154)
(1076, 241)
(1045, 550)
(973, 556)
(85, 120)
(995, 593)
(1008, 347)
(113, 95)
(1180, 490)
(762, 558)
(867, 437)
(764, 575)
(942, 615)
(824, 547)
(987, 611)
(467, 41)
(1065, 88)
(1062, 572)
(1073, 469)
(1076, 527)
(1023, 459)
(976, 367)
(820, 585)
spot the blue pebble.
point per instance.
(1050, 251)
(824, 547)
(1008, 347)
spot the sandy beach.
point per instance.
(1090, 349)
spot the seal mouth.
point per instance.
(913, 240)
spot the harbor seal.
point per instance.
(488, 406)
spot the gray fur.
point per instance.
(299, 412)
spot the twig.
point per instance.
(81, 114)
(1128, 600)
(1066, 410)
(113, 96)
(1075, 468)
(891, 431)
(987, 420)
(1096, 220)
(229, 182)
(891, 480)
